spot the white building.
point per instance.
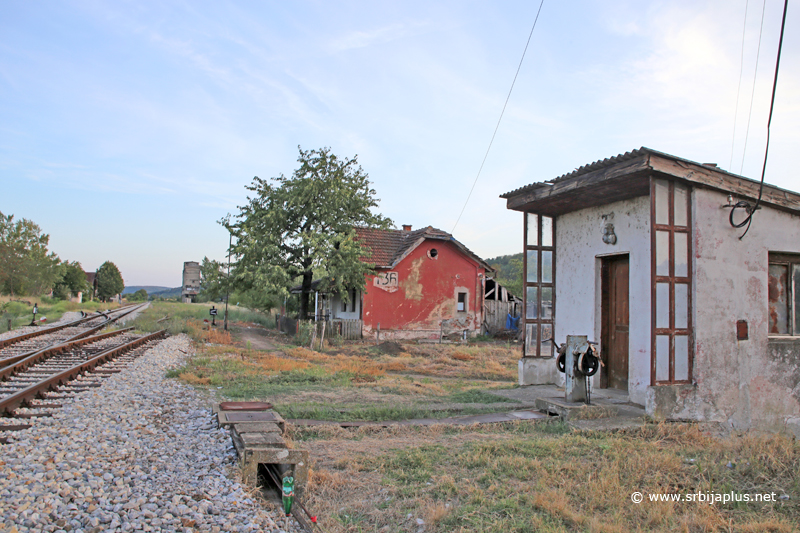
(694, 321)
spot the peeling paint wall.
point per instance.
(745, 383)
(426, 296)
(579, 248)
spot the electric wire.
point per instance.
(753, 91)
(746, 205)
(739, 87)
(499, 119)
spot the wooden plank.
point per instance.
(738, 186)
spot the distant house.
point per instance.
(640, 253)
(426, 284)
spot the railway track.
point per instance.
(45, 336)
(62, 361)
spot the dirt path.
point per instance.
(259, 340)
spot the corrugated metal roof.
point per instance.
(583, 170)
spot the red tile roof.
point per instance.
(389, 246)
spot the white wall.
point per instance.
(579, 247)
(336, 307)
(744, 383)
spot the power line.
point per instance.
(753, 92)
(739, 87)
(750, 210)
(499, 119)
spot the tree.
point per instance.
(138, 296)
(27, 266)
(509, 272)
(294, 226)
(72, 280)
(213, 280)
(109, 281)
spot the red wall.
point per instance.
(426, 294)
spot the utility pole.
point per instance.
(228, 284)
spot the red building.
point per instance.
(426, 284)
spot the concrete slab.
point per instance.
(575, 410)
(256, 427)
(260, 440)
(249, 459)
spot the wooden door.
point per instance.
(615, 322)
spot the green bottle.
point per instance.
(288, 494)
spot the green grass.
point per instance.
(20, 312)
(179, 318)
(373, 413)
(477, 396)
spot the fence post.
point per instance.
(322, 338)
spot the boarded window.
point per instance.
(784, 294)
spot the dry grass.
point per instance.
(485, 361)
(215, 336)
(534, 477)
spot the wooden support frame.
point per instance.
(544, 327)
(671, 331)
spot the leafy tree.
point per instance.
(138, 296)
(72, 280)
(294, 226)
(509, 272)
(109, 281)
(213, 280)
(27, 266)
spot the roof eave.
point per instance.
(627, 176)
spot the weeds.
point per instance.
(544, 477)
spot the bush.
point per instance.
(304, 332)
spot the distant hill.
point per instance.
(166, 293)
(149, 288)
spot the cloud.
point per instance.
(363, 39)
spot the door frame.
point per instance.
(605, 315)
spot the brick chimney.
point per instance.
(406, 227)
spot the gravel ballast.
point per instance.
(140, 453)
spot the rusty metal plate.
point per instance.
(244, 406)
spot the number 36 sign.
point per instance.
(386, 281)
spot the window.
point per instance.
(671, 356)
(461, 307)
(539, 292)
(784, 294)
(344, 306)
(352, 300)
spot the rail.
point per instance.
(24, 396)
(50, 329)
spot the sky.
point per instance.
(129, 129)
